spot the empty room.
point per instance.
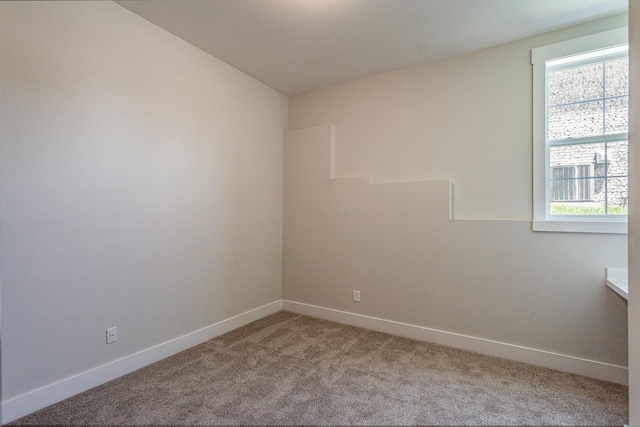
(314, 212)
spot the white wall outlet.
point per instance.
(112, 335)
(356, 296)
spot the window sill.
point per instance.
(578, 226)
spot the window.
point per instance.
(581, 102)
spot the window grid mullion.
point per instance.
(569, 104)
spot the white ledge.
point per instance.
(616, 280)
(572, 226)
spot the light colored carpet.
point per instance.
(292, 369)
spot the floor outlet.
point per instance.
(356, 296)
(112, 335)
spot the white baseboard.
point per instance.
(32, 401)
(559, 362)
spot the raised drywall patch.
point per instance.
(398, 246)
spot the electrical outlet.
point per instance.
(112, 335)
(356, 296)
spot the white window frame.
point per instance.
(542, 221)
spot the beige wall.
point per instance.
(634, 216)
(467, 119)
(141, 187)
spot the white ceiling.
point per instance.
(296, 46)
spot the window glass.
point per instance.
(587, 118)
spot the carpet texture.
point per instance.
(292, 369)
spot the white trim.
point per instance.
(32, 401)
(565, 226)
(580, 45)
(608, 54)
(546, 359)
(539, 56)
